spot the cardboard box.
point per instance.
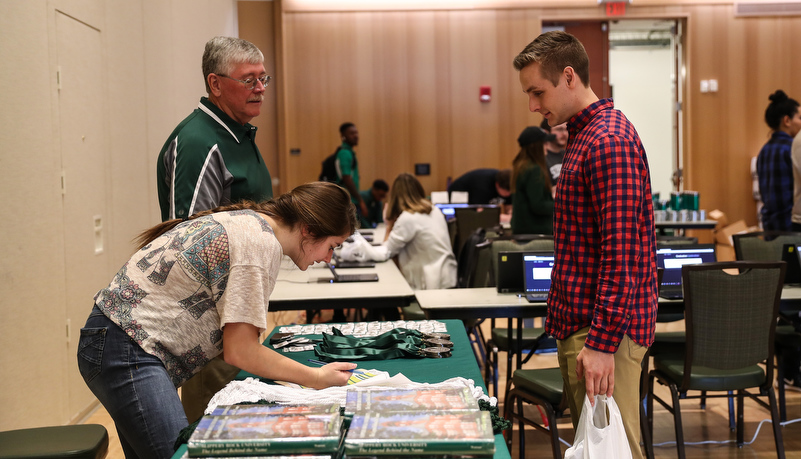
(723, 235)
(724, 252)
(720, 217)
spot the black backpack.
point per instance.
(329, 172)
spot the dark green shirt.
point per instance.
(532, 203)
(210, 160)
(347, 165)
(375, 210)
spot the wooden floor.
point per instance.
(710, 424)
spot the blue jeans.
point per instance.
(133, 386)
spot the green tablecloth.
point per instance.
(461, 363)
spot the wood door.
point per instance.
(594, 35)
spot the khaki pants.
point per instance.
(628, 360)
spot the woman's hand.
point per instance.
(244, 350)
(334, 374)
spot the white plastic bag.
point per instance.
(353, 251)
(599, 437)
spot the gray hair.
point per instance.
(223, 53)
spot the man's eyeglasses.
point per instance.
(250, 83)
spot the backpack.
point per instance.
(329, 172)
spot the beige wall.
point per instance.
(151, 52)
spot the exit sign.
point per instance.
(615, 8)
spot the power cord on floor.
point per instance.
(716, 442)
(709, 442)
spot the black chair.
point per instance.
(82, 441)
(474, 247)
(788, 343)
(499, 340)
(544, 387)
(730, 326)
(763, 245)
(468, 219)
(767, 246)
(672, 342)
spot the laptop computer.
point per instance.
(537, 267)
(792, 256)
(510, 272)
(342, 264)
(672, 258)
(449, 210)
(366, 277)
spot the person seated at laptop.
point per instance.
(196, 288)
(418, 235)
(532, 199)
(374, 200)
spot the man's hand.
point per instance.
(598, 370)
(365, 211)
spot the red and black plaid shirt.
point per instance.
(604, 237)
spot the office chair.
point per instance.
(730, 326)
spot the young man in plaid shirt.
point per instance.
(603, 298)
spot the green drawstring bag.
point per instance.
(397, 343)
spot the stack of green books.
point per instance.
(420, 423)
(268, 431)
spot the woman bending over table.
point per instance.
(197, 288)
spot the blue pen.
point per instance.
(321, 363)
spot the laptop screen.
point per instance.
(448, 209)
(672, 258)
(791, 254)
(537, 271)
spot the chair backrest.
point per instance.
(730, 311)
(468, 219)
(542, 243)
(469, 258)
(763, 245)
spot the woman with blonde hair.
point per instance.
(196, 288)
(532, 198)
(418, 234)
